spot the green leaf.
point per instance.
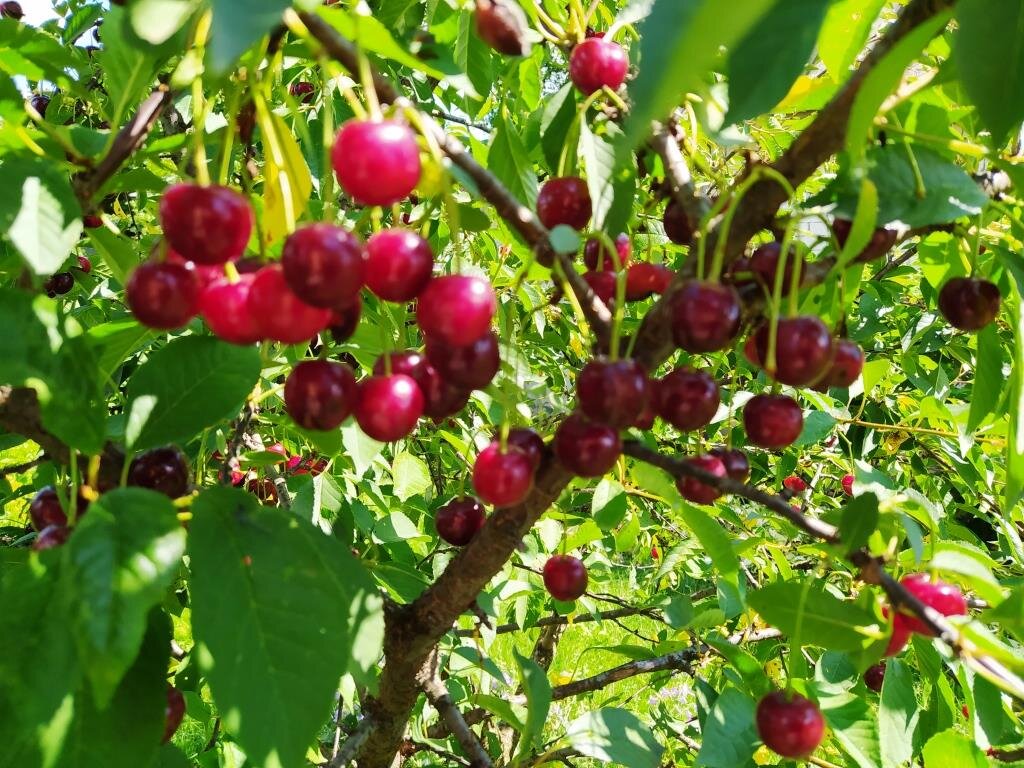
(538, 701)
(359, 447)
(117, 252)
(846, 29)
(1015, 436)
(237, 24)
(817, 426)
(123, 556)
(608, 506)
(565, 239)
(771, 56)
(280, 611)
(612, 186)
(950, 749)
(615, 736)
(729, 734)
(374, 37)
(556, 120)
(473, 56)
(850, 720)
(995, 83)
(129, 70)
(898, 713)
(189, 385)
(714, 539)
(156, 21)
(411, 475)
(508, 159)
(988, 376)
(1009, 614)
(859, 521)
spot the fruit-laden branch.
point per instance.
(441, 700)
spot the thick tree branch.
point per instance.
(439, 697)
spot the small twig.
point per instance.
(548, 621)
(352, 744)
(437, 693)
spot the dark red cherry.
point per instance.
(301, 91)
(246, 121)
(502, 478)
(470, 367)
(376, 162)
(84, 264)
(207, 225)
(456, 309)
(11, 10)
(847, 483)
(440, 399)
(847, 365)
(678, 227)
(790, 727)
(225, 308)
(279, 313)
(874, 677)
(173, 712)
(596, 63)
(389, 406)
(320, 394)
(969, 303)
(645, 420)
(945, 598)
(529, 442)
(613, 392)
(163, 295)
(40, 103)
(646, 279)
(586, 448)
(603, 284)
(795, 484)
(803, 350)
(503, 26)
(764, 264)
(737, 466)
(398, 264)
(344, 321)
(565, 577)
(598, 257)
(458, 521)
(564, 200)
(164, 470)
(50, 537)
(686, 399)
(92, 221)
(881, 242)
(59, 284)
(45, 510)
(772, 421)
(204, 273)
(705, 316)
(324, 265)
(697, 491)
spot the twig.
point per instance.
(352, 744)
(549, 621)
(680, 661)
(439, 697)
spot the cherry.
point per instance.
(613, 392)
(84, 264)
(263, 489)
(603, 284)
(376, 162)
(502, 478)
(564, 200)
(900, 633)
(59, 284)
(772, 421)
(881, 242)
(596, 63)
(502, 25)
(565, 577)
(705, 316)
(164, 470)
(302, 91)
(459, 520)
(246, 121)
(324, 265)
(596, 251)
(697, 491)
(389, 406)
(345, 320)
(207, 225)
(11, 10)
(945, 598)
(225, 308)
(162, 295)
(686, 399)
(398, 264)
(279, 313)
(646, 279)
(586, 448)
(847, 365)
(470, 367)
(803, 350)
(529, 442)
(969, 303)
(440, 399)
(795, 484)
(45, 509)
(51, 536)
(450, 400)
(874, 677)
(204, 273)
(92, 221)
(278, 449)
(456, 309)
(173, 712)
(40, 103)
(790, 727)
(735, 461)
(678, 227)
(847, 483)
(320, 394)
(645, 420)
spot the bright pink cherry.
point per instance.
(696, 490)
(280, 314)
(389, 407)
(456, 309)
(686, 399)
(320, 394)
(207, 225)
(224, 306)
(162, 295)
(376, 162)
(795, 484)
(440, 399)
(564, 200)
(565, 577)
(596, 63)
(398, 264)
(847, 483)
(586, 448)
(790, 726)
(502, 478)
(459, 520)
(613, 392)
(945, 598)
(772, 421)
(324, 265)
(470, 367)
(705, 316)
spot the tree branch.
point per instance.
(439, 697)
(680, 661)
(549, 621)
(352, 744)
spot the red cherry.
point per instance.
(84, 264)
(345, 320)
(204, 273)
(795, 484)
(565, 577)
(92, 221)
(225, 308)
(470, 367)
(874, 676)
(398, 264)
(502, 25)
(376, 162)
(529, 442)
(45, 510)
(645, 420)
(596, 251)
(11, 9)
(50, 537)
(596, 63)
(502, 479)
(603, 284)
(564, 200)
(459, 520)
(900, 635)
(699, 492)
(686, 399)
(847, 365)
(613, 392)
(790, 727)
(945, 598)
(803, 350)
(847, 482)
(969, 303)
(764, 264)
(772, 421)
(646, 279)
(59, 284)
(320, 394)
(678, 227)
(586, 448)
(173, 712)
(456, 309)
(881, 242)
(440, 399)
(302, 91)
(207, 225)
(162, 295)
(164, 470)
(705, 316)
(278, 449)
(279, 313)
(389, 407)
(737, 466)
(324, 265)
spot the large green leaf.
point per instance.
(850, 720)
(713, 539)
(129, 68)
(1015, 435)
(280, 611)
(988, 376)
(237, 24)
(374, 37)
(729, 735)
(156, 21)
(859, 521)
(844, 32)
(411, 475)
(508, 159)
(898, 712)
(612, 186)
(615, 736)
(538, 702)
(951, 749)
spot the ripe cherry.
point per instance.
(320, 394)
(456, 309)
(45, 509)
(279, 313)
(697, 491)
(458, 521)
(207, 225)
(529, 442)
(686, 399)
(565, 577)
(604, 286)
(646, 279)
(389, 406)
(847, 365)
(398, 264)
(164, 470)
(803, 350)
(790, 727)
(874, 677)
(324, 265)
(50, 537)
(705, 316)
(598, 257)
(900, 633)
(59, 284)
(225, 308)
(772, 421)
(678, 227)
(502, 478)
(596, 63)
(586, 448)
(503, 26)
(945, 598)
(645, 420)
(376, 162)
(564, 200)
(11, 10)
(847, 483)
(345, 320)
(204, 273)
(174, 712)
(969, 303)
(881, 242)
(470, 367)
(163, 295)
(795, 484)
(737, 466)
(301, 91)
(84, 264)
(613, 392)
(92, 221)
(440, 399)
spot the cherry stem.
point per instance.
(327, 121)
(776, 302)
(581, 318)
(228, 149)
(202, 31)
(366, 77)
(605, 241)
